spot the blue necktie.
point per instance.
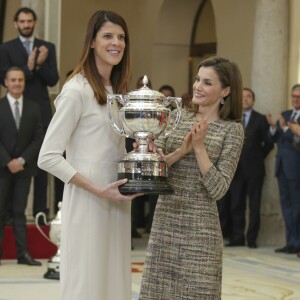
(27, 46)
(244, 120)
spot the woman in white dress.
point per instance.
(95, 241)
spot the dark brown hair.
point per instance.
(25, 10)
(168, 88)
(14, 68)
(140, 84)
(87, 65)
(229, 76)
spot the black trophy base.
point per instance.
(152, 185)
(52, 274)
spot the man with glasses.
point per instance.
(287, 171)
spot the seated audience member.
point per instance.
(21, 136)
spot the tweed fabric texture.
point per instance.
(184, 255)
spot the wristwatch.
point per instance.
(21, 161)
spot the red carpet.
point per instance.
(38, 246)
(137, 267)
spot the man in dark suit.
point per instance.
(249, 176)
(21, 136)
(287, 171)
(38, 60)
(295, 128)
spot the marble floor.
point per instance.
(257, 274)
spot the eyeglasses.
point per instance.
(296, 97)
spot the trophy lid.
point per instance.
(145, 93)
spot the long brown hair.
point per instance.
(229, 76)
(87, 65)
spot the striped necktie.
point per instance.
(294, 116)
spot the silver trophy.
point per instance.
(55, 235)
(144, 114)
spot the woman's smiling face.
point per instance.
(109, 45)
(207, 89)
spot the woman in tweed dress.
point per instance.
(184, 256)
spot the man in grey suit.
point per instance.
(37, 58)
(21, 136)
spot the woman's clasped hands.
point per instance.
(193, 141)
(198, 134)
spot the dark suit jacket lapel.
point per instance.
(288, 115)
(18, 44)
(10, 115)
(251, 120)
(37, 43)
(24, 117)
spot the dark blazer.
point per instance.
(287, 156)
(24, 143)
(13, 53)
(256, 145)
(296, 145)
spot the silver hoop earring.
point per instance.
(222, 101)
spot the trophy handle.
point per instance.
(110, 101)
(41, 214)
(178, 102)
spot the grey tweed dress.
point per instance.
(184, 255)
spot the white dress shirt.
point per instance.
(246, 117)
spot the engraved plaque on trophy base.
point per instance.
(153, 185)
(146, 173)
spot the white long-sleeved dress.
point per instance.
(95, 241)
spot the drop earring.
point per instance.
(222, 101)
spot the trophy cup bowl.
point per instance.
(54, 237)
(144, 114)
